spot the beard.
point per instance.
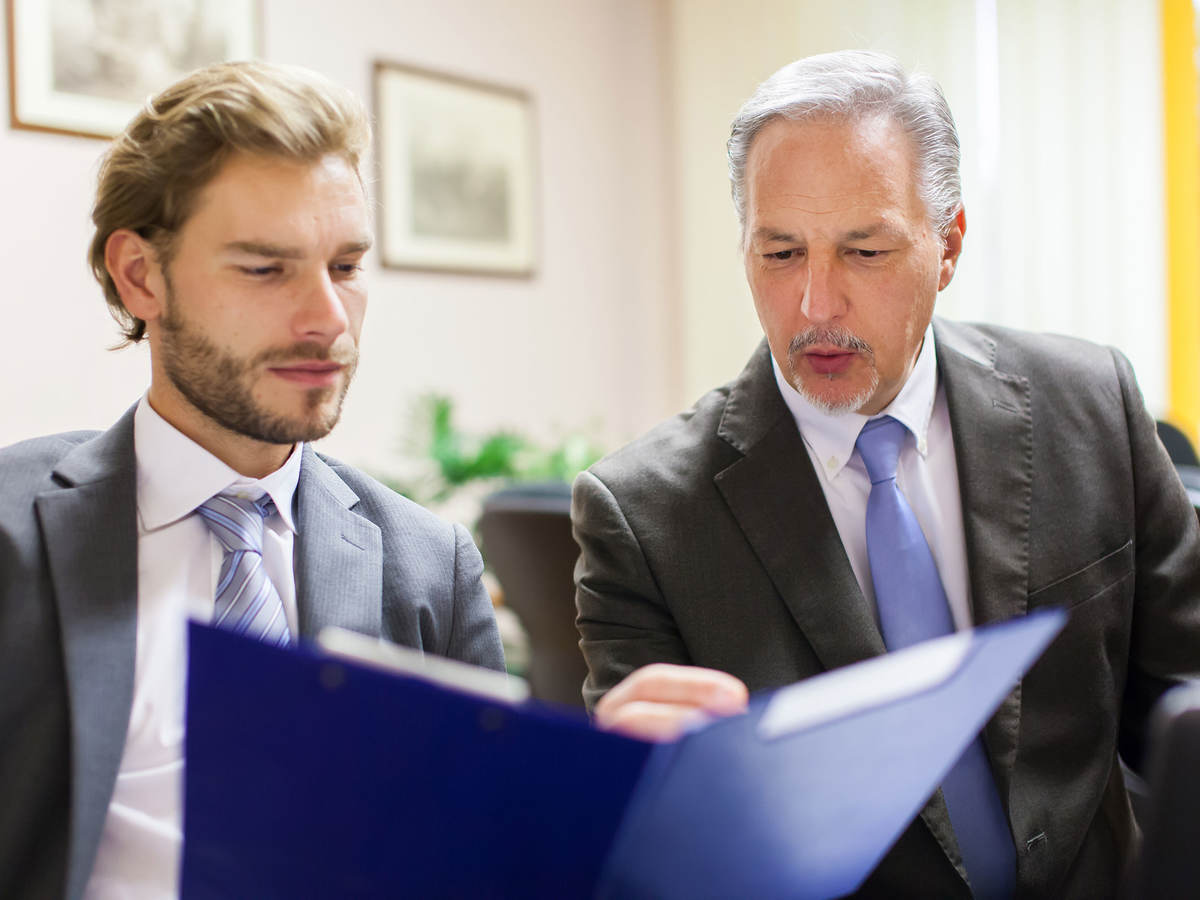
(221, 385)
(836, 336)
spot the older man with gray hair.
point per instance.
(877, 476)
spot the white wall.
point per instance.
(1069, 223)
(590, 340)
(1058, 105)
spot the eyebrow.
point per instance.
(277, 251)
(770, 234)
(870, 231)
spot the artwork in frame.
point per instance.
(86, 66)
(457, 173)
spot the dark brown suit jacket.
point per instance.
(709, 542)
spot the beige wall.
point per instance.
(639, 304)
(590, 340)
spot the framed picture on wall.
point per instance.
(86, 66)
(457, 173)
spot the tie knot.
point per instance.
(879, 445)
(236, 521)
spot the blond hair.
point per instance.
(178, 142)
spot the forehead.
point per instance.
(828, 167)
(270, 194)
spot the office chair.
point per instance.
(1169, 866)
(525, 535)
(1179, 447)
(1183, 455)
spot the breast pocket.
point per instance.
(1072, 693)
(1089, 582)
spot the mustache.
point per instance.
(306, 351)
(828, 336)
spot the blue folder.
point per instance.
(308, 776)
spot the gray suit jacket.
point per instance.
(365, 559)
(709, 542)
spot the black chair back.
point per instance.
(1169, 866)
(1179, 448)
(525, 536)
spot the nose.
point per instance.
(321, 311)
(824, 299)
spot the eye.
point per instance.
(867, 254)
(782, 255)
(346, 269)
(260, 271)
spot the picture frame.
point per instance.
(457, 173)
(82, 67)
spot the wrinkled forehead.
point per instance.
(825, 164)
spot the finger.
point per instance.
(713, 691)
(650, 721)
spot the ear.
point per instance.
(133, 265)
(952, 245)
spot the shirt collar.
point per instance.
(175, 474)
(832, 437)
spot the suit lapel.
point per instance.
(89, 530)
(777, 500)
(339, 555)
(991, 418)
(787, 521)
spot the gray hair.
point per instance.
(856, 84)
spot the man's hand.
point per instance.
(660, 701)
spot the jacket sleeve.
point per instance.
(473, 634)
(1165, 632)
(624, 621)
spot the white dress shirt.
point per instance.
(178, 563)
(927, 475)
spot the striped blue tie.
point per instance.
(246, 600)
(913, 607)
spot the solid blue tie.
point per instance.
(912, 608)
(246, 600)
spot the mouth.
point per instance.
(829, 360)
(317, 373)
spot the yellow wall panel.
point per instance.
(1182, 147)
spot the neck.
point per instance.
(245, 455)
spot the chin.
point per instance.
(832, 400)
(313, 428)
(308, 418)
(274, 426)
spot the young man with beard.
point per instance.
(231, 226)
(877, 476)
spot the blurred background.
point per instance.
(637, 304)
(1081, 171)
